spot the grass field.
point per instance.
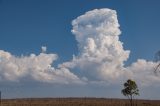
(76, 102)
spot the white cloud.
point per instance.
(34, 67)
(100, 60)
(101, 54)
(143, 72)
(44, 49)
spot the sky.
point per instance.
(82, 48)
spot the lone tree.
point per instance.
(130, 90)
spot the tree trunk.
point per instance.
(131, 101)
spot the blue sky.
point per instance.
(26, 25)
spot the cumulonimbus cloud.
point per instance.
(101, 57)
(101, 53)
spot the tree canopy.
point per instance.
(130, 90)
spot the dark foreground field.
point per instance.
(76, 102)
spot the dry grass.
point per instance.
(76, 102)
